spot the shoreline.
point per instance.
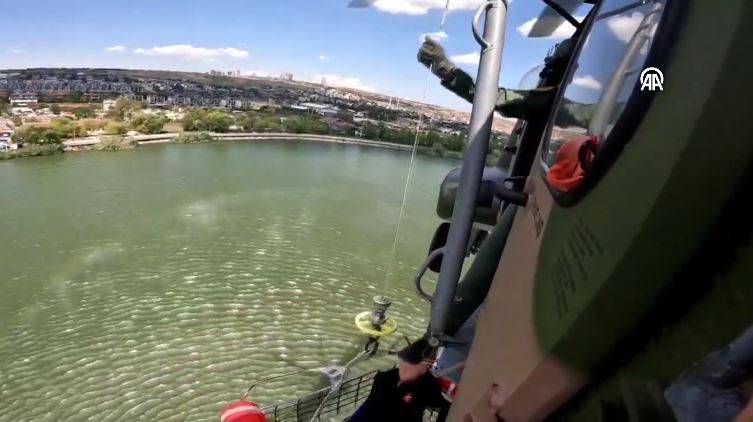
(163, 138)
(94, 142)
(253, 136)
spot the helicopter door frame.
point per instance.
(637, 105)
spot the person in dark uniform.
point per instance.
(404, 393)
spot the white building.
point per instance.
(323, 109)
(23, 100)
(156, 100)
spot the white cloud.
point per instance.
(564, 30)
(422, 7)
(16, 51)
(115, 49)
(324, 57)
(436, 36)
(342, 81)
(587, 82)
(470, 58)
(189, 52)
(624, 26)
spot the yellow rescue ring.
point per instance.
(364, 325)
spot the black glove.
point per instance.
(432, 55)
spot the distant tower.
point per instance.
(324, 80)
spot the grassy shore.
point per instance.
(32, 151)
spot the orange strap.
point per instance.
(567, 173)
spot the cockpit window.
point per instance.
(605, 74)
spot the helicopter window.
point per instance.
(603, 76)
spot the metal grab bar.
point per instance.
(479, 131)
(485, 44)
(476, 22)
(422, 270)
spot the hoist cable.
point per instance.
(409, 176)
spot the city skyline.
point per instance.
(372, 49)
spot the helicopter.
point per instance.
(627, 258)
(609, 289)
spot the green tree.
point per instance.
(267, 124)
(74, 97)
(218, 121)
(149, 124)
(438, 149)
(370, 131)
(55, 109)
(193, 138)
(115, 128)
(195, 120)
(88, 125)
(51, 136)
(37, 135)
(301, 124)
(454, 143)
(245, 121)
(67, 128)
(432, 137)
(381, 130)
(154, 124)
(4, 106)
(124, 109)
(83, 112)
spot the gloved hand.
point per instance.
(432, 55)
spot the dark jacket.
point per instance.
(390, 401)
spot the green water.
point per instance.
(157, 283)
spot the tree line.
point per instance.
(132, 115)
(124, 116)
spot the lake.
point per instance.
(158, 283)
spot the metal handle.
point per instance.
(422, 270)
(477, 21)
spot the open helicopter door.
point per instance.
(590, 271)
(513, 370)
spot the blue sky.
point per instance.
(373, 48)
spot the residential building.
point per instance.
(23, 99)
(321, 109)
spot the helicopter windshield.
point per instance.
(606, 72)
(531, 78)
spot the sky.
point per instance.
(370, 48)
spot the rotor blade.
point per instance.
(549, 20)
(360, 4)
